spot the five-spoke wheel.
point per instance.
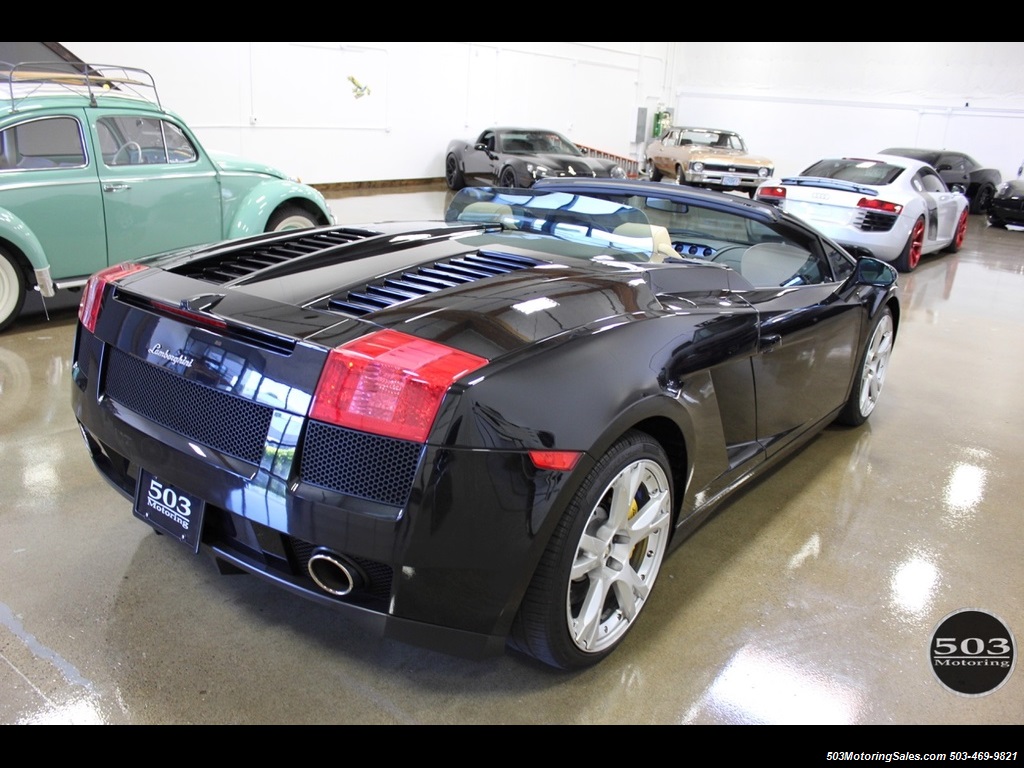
(508, 178)
(453, 174)
(603, 559)
(907, 260)
(874, 364)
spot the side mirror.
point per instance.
(872, 271)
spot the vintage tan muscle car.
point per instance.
(706, 157)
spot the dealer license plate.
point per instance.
(170, 510)
(731, 181)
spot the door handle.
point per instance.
(120, 187)
(770, 342)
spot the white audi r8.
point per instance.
(890, 207)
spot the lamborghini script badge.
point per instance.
(178, 359)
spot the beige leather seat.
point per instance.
(486, 212)
(657, 238)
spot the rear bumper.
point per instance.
(445, 569)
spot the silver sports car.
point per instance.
(890, 207)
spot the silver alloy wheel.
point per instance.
(876, 363)
(618, 556)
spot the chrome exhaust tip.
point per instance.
(334, 573)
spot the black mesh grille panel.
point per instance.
(358, 464)
(876, 222)
(215, 419)
(731, 168)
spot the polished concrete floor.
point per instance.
(812, 598)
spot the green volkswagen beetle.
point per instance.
(94, 171)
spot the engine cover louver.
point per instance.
(427, 279)
(233, 263)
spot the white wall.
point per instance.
(797, 102)
(292, 104)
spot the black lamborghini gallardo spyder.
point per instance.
(482, 432)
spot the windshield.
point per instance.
(858, 171)
(537, 143)
(614, 229)
(708, 138)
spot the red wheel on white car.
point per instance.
(911, 255)
(961, 231)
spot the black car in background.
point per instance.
(1008, 204)
(960, 171)
(517, 157)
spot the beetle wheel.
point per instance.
(289, 217)
(12, 289)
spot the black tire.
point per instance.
(870, 372)
(652, 171)
(453, 175)
(910, 257)
(508, 178)
(995, 221)
(589, 563)
(290, 217)
(982, 199)
(12, 289)
(680, 176)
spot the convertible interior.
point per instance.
(755, 251)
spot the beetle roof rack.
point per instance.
(29, 78)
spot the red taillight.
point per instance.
(775, 193)
(561, 461)
(389, 383)
(92, 296)
(880, 205)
